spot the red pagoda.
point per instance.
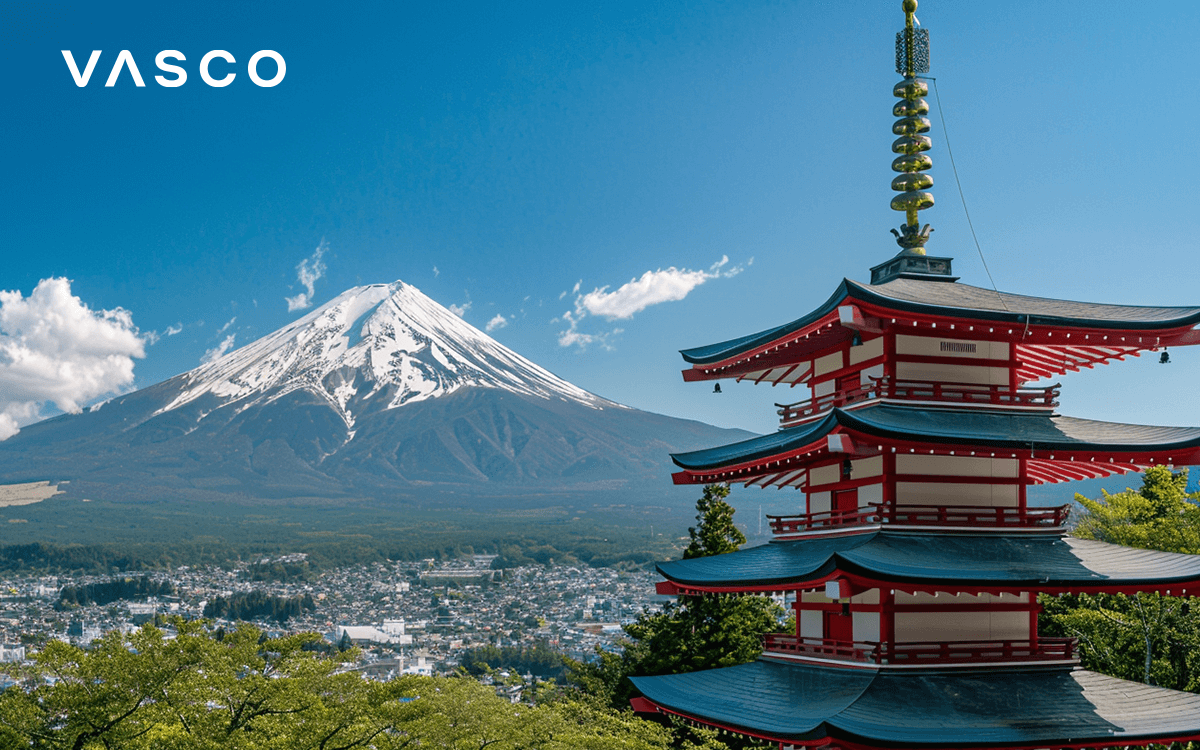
(915, 570)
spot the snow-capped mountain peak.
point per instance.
(372, 348)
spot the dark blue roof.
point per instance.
(956, 559)
(954, 708)
(962, 300)
(966, 427)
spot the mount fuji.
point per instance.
(380, 394)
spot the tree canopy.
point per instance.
(1145, 637)
(198, 691)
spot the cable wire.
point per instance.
(963, 198)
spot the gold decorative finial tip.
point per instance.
(910, 6)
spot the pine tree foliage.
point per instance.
(714, 532)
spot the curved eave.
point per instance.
(808, 705)
(939, 561)
(1034, 320)
(713, 353)
(1060, 448)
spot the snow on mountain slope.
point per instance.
(372, 348)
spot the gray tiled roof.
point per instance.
(999, 429)
(982, 559)
(954, 708)
(977, 303)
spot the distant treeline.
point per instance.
(279, 571)
(538, 659)
(112, 590)
(257, 605)
(621, 549)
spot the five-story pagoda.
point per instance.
(915, 570)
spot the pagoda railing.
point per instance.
(924, 515)
(919, 390)
(925, 652)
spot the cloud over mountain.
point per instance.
(55, 349)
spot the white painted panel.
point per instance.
(870, 349)
(950, 493)
(819, 502)
(943, 626)
(829, 363)
(819, 475)
(922, 371)
(922, 493)
(815, 596)
(870, 596)
(874, 371)
(866, 467)
(870, 493)
(824, 389)
(1010, 626)
(812, 624)
(956, 466)
(932, 346)
(866, 626)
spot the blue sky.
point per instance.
(501, 154)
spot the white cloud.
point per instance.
(461, 310)
(495, 323)
(308, 272)
(218, 351)
(652, 288)
(55, 349)
(225, 327)
(153, 337)
(436, 272)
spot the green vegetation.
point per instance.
(114, 589)
(700, 632)
(199, 692)
(255, 605)
(102, 537)
(538, 660)
(1144, 637)
(714, 532)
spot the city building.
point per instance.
(915, 569)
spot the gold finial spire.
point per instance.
(912, 59)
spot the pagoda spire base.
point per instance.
(912, 238)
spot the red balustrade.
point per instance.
(924, 515)
(916, 390)
(927, 652)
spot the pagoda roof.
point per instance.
(1041, 434)
(1011, 708)
(954, 301)
(939, 561)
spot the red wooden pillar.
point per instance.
(887, 618)
(1023, 474)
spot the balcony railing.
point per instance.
(924, 653)
(916, 390)
(924, 515)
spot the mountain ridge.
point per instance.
(380, 394)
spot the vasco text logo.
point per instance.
(163, 61)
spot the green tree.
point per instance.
(1145, 637)
(1158, 516)
(195, 692)
(698, 632)
(714, 532)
